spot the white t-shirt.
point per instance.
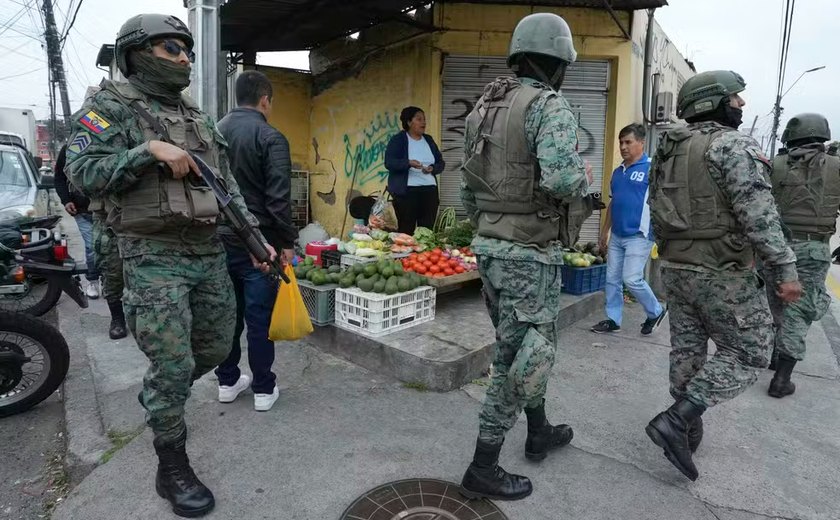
(419, 150)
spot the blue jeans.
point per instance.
(85, 223)
(255, 295)
(626, 262)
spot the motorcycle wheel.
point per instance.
(41, 295)
(49, 360)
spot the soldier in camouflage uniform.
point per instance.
(712, 210)
(520, 167)
(178, 295)
(806, 186)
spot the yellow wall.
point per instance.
(291, 109)
(353, 120)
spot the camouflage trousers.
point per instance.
(181, 311)
(792, 321)
(523, 301)
(730, 308)
(107, 259)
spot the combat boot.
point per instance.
(669, 430)
(695, 434)
(486, 479)
(781, 385)
(177, 483)
(118, 328)
(542, 436)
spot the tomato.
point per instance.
(448, 271)
(435, 258)
(420, 268)
(459, 269)
(427, 263)
(443, 264)
(436, 251)
(434, 269)
(453, 263)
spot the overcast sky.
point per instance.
(742, 35)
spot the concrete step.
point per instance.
(444, 354)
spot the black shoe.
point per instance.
(486, 479)
(117, 329)
(177, 483)
(605, 326)
(781, 384)
(651, 324)
(542, 436)
(669, 431)
(695, 434)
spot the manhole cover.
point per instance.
(420, 499)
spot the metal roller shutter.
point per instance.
(464, 77)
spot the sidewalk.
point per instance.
(339, 430)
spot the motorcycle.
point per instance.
(35, 268)
(34, 359)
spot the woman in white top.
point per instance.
(413, 161)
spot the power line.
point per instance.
(21, 74)
(73, 21)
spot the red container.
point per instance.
(314, 250)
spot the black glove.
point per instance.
(836, 255)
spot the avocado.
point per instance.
(398, 268)
(335, 277)
(365, 285)
(359, 278)
(319, 278)
(347, 282)
(309, 261)
(358, 268)
(379, 287)
(334, 269)
(391, 286)
(388, 272)
(404, 284)
(370, 270)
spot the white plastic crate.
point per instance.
(374, 314)
(348, 260)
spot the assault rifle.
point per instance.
(237, 220)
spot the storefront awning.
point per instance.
(287, 25)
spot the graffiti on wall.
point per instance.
(364, 158)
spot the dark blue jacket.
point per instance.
(396, 161)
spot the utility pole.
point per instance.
(777, 113)
(55, 61)
(752, 128)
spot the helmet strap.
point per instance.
(554, 80)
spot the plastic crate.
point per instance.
(319, 301)
(330, 258)
(583, 280)
(374, 314)
(348, 260)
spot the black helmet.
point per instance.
(140, 30)
(806, 126)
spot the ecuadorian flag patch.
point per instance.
(80, 141)
(94, 122)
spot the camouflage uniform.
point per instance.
(107, 258)
(791, 321)
(726, 304)
(522, 283)
(179, 298)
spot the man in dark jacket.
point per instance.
(260, 161)
(78, 206)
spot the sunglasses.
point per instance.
(174, 48)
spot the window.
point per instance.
(12, 172)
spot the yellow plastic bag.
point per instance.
(289, 319)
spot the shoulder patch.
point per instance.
(80, 141)
(94, 122)
(759, 156)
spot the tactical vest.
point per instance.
(692, 215)
(157, 205)
(503, 173)
(806, 186)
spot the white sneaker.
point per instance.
(228, 394)
(92, 290)
(264, 402)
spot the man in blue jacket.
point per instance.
(260, 161)
(628, 217)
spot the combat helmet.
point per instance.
(704, 92)
(545, 34)
(806, 126)
(140, 30)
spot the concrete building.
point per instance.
(371, 58)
